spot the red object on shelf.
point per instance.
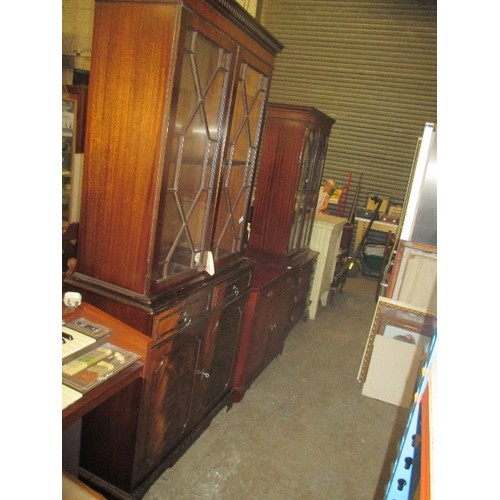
(343, 197)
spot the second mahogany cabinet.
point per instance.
(294, 148)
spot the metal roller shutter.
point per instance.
(371, 65)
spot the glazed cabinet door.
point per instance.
(193, 151)
(172, 378)
(304, 212)
(250, 95)
(318, 162)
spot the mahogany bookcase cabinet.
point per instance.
(294, 149)
(177, 96)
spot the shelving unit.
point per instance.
(406, 478)
(326, 239)
(69, 109)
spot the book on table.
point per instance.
(94, 367)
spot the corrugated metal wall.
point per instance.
(371, 65)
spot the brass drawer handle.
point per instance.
(235, 291)
(184, 319)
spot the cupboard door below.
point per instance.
(172, 380)
(220, 353)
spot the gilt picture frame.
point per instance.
(400, 321)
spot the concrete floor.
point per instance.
(303, 430)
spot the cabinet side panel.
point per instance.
(130, 76)
(108, 437)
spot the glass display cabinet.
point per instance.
(176, 100)
(173, 132)
(294, 148)
(293, 155)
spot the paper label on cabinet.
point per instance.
(209, 263)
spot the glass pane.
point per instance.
(240, 160)
(302, 201)
(314, 185)
(185, 211)
(68, 149)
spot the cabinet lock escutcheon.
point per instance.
(235, 291)
(273, 326)
(161, 363)
(202, 373)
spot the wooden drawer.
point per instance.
(300, 295)
(304, 274)
(299, 311)
(180, 316)
(276, 288)
(230, 290)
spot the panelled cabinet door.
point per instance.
(263, 327)
(172, 377)
(194, 148)
(215, 376)
(267, 333)
(277, 332)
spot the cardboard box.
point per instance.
(371, 205)
(393, 371)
